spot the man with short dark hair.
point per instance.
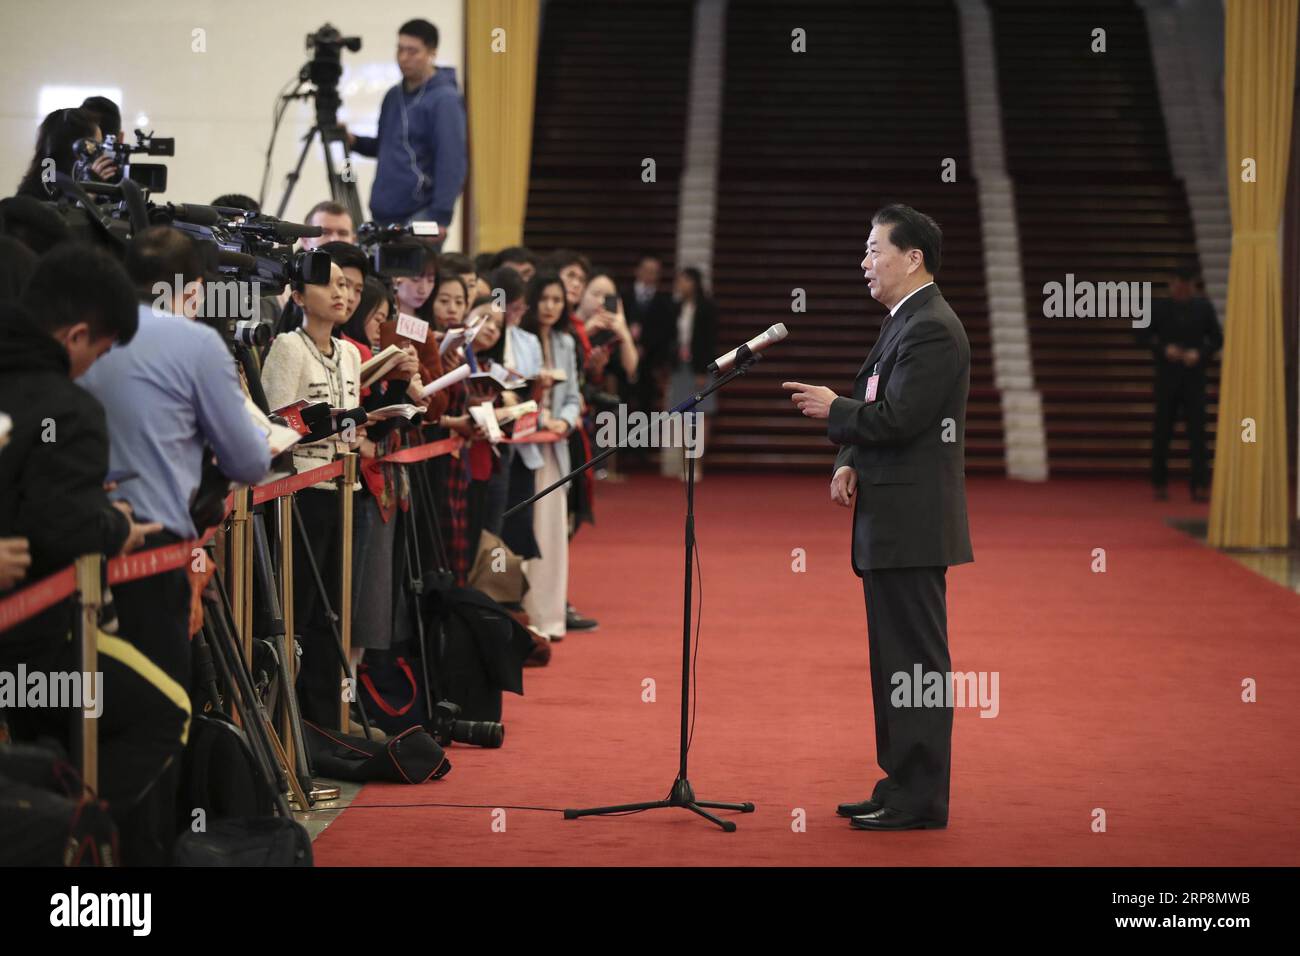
(173, 401)
(420, 143)
(78, 304)
(184, 374)
(902, 442)
(335, 224)
(518, 258)
(240, 201)
(1183, 337)
(652, 320)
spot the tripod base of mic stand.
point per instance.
(683, 795)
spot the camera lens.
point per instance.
(479, 733)
(251, 332)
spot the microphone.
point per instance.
(287, 232)
(356, 417)
(755, 345)
(237, 260)
(193, 212)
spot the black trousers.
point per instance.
(1179, 389)
(320, 681)
(153, 618)
(907, 626)
(517, 530)
(146, 709)
(498, 491)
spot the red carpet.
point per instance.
(1119, 691)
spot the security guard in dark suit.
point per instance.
(902, 438)
(1183, 337)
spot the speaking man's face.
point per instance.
(886, 267)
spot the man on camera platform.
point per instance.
(421, 139)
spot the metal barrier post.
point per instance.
(241, 573)
(85, 746)
(285, 507)
(346, 481)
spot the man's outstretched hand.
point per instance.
(813, 400)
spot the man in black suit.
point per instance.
(651, 317)
(902, 440)
(1183, 338)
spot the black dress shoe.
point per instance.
(574, 621)
(887, 818)
(858, 809)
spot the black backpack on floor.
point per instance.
(47, 816)
(265, 841)
(219, 774)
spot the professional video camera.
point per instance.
(248, 255)
(264, 243)
(324, 69)
(152, 176)
(391, 248)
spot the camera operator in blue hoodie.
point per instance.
(421, 141)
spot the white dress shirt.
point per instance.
(908, 296)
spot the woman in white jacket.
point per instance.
(311, 363)
(558, 410)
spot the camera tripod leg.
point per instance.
(331, 615)
(253, 717)
(291, 179)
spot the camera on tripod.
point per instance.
(324, 69)
(151, 176)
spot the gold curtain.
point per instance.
(501, 55)
(1248, 507)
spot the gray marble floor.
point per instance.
(1280, 567)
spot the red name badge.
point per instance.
(872, 384)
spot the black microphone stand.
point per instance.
(682, 793)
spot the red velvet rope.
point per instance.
(61, 585)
